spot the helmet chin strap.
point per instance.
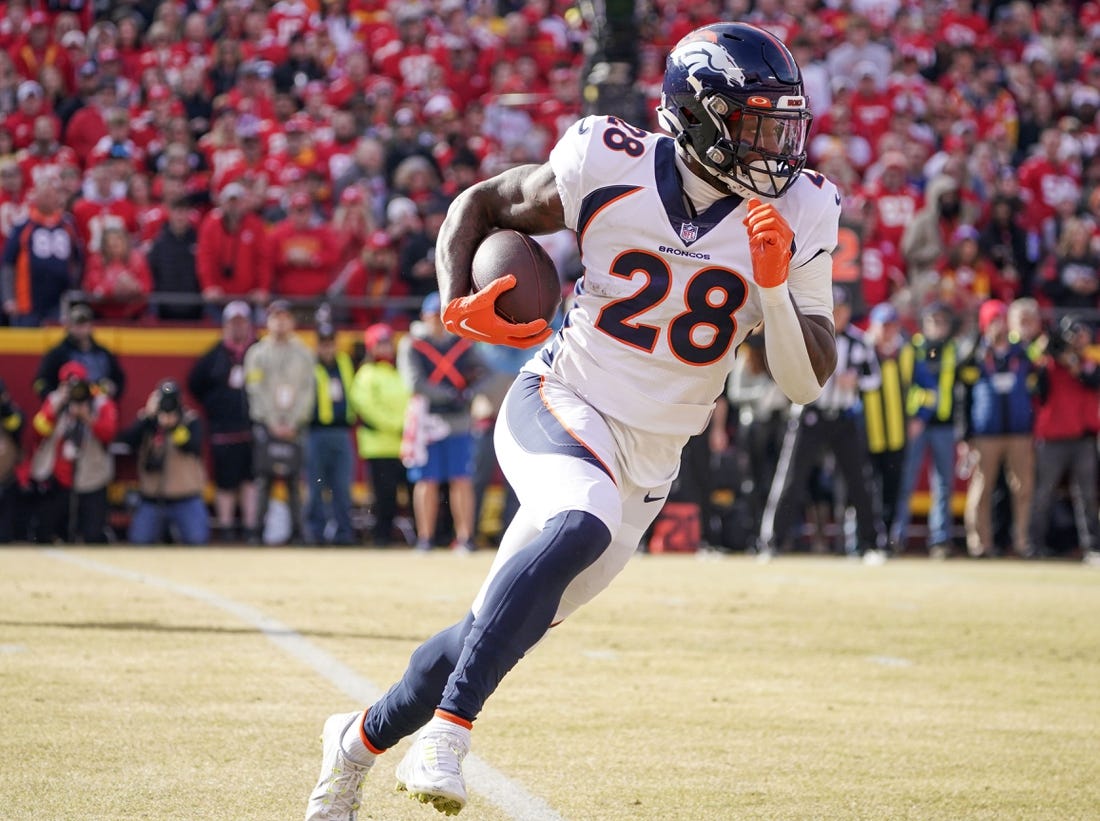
(720, 183)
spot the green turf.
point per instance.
(806, 688)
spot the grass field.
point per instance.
(180, 684)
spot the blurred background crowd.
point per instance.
(160, 161)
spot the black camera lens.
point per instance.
(80, 391)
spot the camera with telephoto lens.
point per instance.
(169, 399)
(80, 390)
(1063, 335)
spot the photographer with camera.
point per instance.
(80, 345)
(167, 438)
(68, 467)
(1066, 424)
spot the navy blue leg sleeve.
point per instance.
(519, 607)
(410, 703)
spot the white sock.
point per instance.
(353, 746)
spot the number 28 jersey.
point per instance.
(666, 295)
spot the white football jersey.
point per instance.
(666, 296)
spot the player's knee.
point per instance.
(579, 539)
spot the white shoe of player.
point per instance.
(431, 771)
(336, 796)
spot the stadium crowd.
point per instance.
(163, 160)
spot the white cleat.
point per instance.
(874, 558)
(431, 771)
(337, 794)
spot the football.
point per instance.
(537, 292)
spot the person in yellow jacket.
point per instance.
(379, 397)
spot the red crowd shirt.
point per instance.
(302, 260)
(238, 262)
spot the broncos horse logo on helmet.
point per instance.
(733, 100)
(703, 57)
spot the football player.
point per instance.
(689, 241)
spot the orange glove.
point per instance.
(770, 243)
(475, 317)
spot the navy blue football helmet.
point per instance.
(733, 100)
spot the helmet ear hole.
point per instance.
(689, 115)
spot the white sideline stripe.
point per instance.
(502, 792)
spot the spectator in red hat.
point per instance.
(379, 397)
(303, 251)
(38, 49)
(999, 380)
(233, 253)
(117, 276)
(67, 466)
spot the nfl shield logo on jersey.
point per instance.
(689, 232)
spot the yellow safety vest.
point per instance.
(324, 396)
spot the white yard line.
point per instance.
(502, 792)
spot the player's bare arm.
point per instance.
(820, 340)
(523, 198)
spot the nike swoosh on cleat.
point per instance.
(649, 498)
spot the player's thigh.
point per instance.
(557, 452)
